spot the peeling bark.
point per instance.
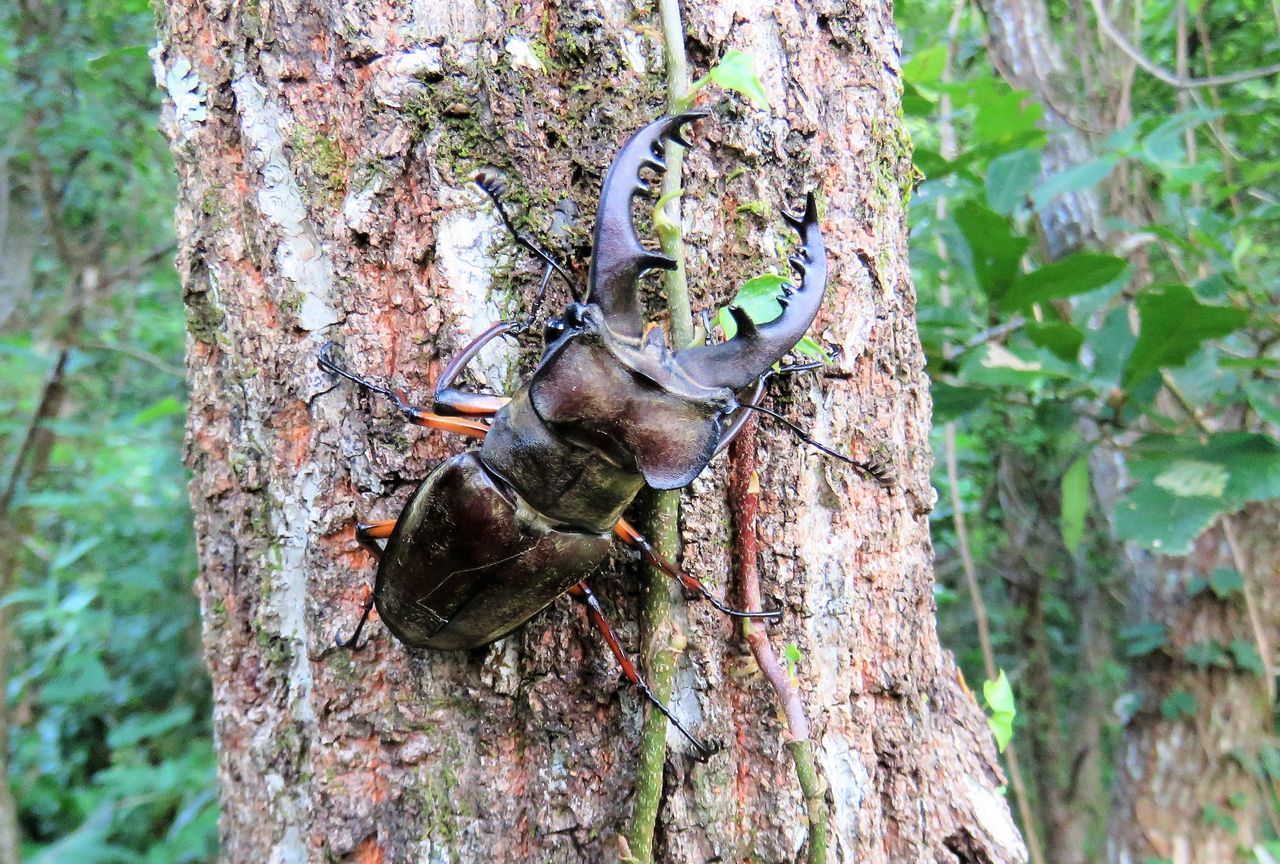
(324, 155)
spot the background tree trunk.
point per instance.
(1184, 791)
(324, 155)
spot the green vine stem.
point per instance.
(661, 640)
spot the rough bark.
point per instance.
(1182, 791)
(324, 195)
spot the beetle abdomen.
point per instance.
(461, 569)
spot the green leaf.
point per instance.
(1075, 179)
(117, 57)
(1246, 657)
(1179, 704)
(1205, 653)
(1166, 143)
(1173, 326)
(997, 366)
(926, 66)
(166, 407)
(1190, 478)
(1001, 709)
(1075, 274)
(950, 402)
(792, 655)
(1144, 638)
(758, 297)
(1163, 522)
(140, 727)
(1005, 114)
(1010, 178)
(736, 71)
(1164, 514)
(1251, 462)
(996, 252)
(810, 347)
(1062, 339)
(67, 557)
(1225, 582)
(1264, 398)
(1075, 502)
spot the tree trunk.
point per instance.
(1198, 717)
(324, 155)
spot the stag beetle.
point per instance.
(494, 535)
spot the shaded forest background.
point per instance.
(1092, 232)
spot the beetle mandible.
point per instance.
(492, 536)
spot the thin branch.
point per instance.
(137, 354)
(1251, 607)
(984, 640)
(991, 334)
(48, 406)
(137, 268)
(1159, 72)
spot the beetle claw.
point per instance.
(350, 644)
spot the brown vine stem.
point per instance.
(744, 502)
(661, 641)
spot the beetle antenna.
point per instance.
(494, 186)
(326, 362)
(879, 470)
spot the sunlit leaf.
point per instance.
(1075, 502)
(1188, 477)
(1001, 710)
(736, 71)
(758, 297)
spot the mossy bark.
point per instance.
(324, 154)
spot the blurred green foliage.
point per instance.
(111, 757)
(1156, 345)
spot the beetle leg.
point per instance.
(449, 400)
(583, 595)
(366, 533)
(416, 415)
(636, 540)
(758, 392)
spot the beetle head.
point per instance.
(618, 261)
(627, 399)
(609, 384)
